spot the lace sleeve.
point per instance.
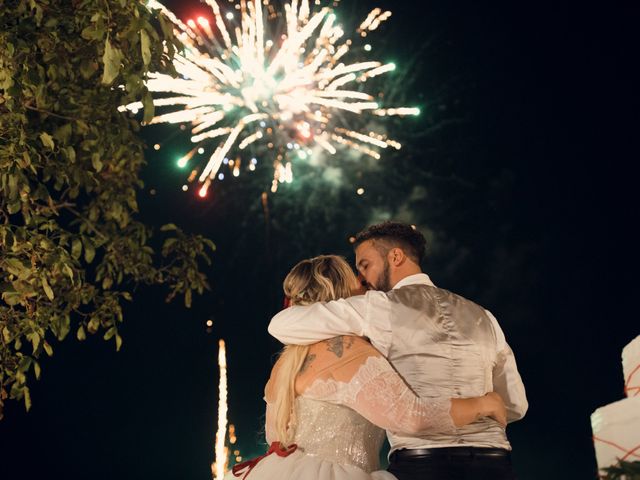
(379, 394)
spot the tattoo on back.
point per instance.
(307, 361)
(338, 344)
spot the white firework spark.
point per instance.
(274, 78)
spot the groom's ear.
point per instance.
(397, 256)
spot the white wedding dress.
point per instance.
(340, 419)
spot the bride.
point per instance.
(329, 403)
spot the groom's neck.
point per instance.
(404, 271)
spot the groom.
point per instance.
(441, 343)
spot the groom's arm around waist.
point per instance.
(361, 315)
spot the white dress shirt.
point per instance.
(441, 344)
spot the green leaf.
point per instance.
(64, 326)
(6, 335)
(166, 25)
(76, 248)
(149, 109)
(71, 153)
(47, 288)
(106, 283)
(145, 46)
(17, 268)
(14, 207)
(36, 369)
(27, 398)
(63, 133)
(110, 333)
(24, 364)
(187, 298)
(168, 227)
(26, 160)
(13, 186)
(89, 251)
(83, 127)
(47, 140)
(168, 242)
(118, 342)
(47, 348)
(67, 269)
(93, 325)
(38, 17)
(93, 32)
(12, 298)
(96, 162)
(112, 60)
(80, 334)
(88, 67)
(35, 340)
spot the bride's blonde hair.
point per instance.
(318, 279)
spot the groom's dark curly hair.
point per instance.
(395, 234)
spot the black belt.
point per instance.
(418, 453)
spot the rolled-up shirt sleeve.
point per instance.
(506, 378)
(360, 315)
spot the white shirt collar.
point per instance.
(416, 279)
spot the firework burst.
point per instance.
(265, 78)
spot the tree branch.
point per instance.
(29, 107)
(88, 222)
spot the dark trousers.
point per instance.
(452, 463)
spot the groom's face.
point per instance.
(373, 266)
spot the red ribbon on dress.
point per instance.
(275, 447)
(627, 388)
(627, 452)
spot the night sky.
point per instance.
(525, 149)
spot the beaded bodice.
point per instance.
(337, 433)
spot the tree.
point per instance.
(71, 246)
